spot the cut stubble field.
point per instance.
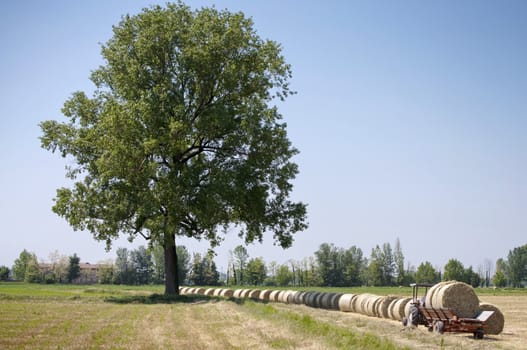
(127, 319)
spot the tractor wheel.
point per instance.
(439, 327)
(478, 334)
(405, 321)
(413, 316)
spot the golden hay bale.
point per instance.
(369, 305)
(264, 294)
(391, 308)
(383, 304)
(398, 308)
(254, 294)
(199, 291)
(496, 322)
(237, 293)
(217, 292)
(325, 300)
(226, 293)
(209, 292)
(274, 295)
(334, 302)
(345, 302)
(458, 296)
(183, 290)
(429, 297)
(293, 296)
(282, 296)
(361, 303)
(245, 293)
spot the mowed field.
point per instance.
(119, 317)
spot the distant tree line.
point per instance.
(330, 266)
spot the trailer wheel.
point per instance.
(478, 334)
(439, 327)
(405, 321)
(413, 316)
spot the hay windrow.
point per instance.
(496, 322)
(458, 296)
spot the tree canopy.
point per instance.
(180, 137)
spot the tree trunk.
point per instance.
(171, 275)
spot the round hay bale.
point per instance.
(346, 301)
(217, 292)
(334, 301)
(383, 304)
(371, 305)
(254, 294)
(209, 292)
(311, 299)
(245, 293)
(398, 309)
(292, 296)
(391, 308)
(264, 294)
(360, 303)
(458, 296)
(183, 290)
(237, 293)
(496, 322)
(325, 301)
(298, 297)
(286, 296)
(226, 293)
(318, 299)
(274, 295)
(282, 296)
(407, 308)
(199, 291)
(429, 297)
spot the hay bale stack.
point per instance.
(226, 293)
(346, 302)
(274, 295)
(496, 322)
(381, 308)
(264, 294)
(458, 296)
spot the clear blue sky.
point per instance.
(411, 120)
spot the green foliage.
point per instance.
(499, 280)
(4, 273)
(183, 267)
(180, 136)
(517, 266)
(454, 270)
(283, 276)
(20, 265)
(426, 273)
(256, 272)
(74, 268)
(204, 271)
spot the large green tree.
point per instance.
(181, 136)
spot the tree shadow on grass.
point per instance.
(160, 299)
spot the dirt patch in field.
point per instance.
(513, 337)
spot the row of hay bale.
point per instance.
(391, 307)
(458, 296)
(463, 300)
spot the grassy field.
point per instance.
(34, 316)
